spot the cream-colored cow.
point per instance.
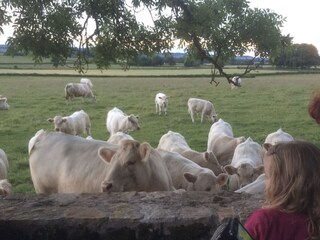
(175, 142)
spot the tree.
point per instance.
(214, 30)
(304, 56)
(297, 55)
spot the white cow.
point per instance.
(278, 136)
(258, 186)
(246, 164)
(62, 163)
(86, 81)
(117, 137)
(204, 107)
(222, 142)
(235, 82)
(175, 142)
(73, 90)
(188, 175)
(118, 121)
(3, 103)
(75, 124)
(161, 101)
(5, 186)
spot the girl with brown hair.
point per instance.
(292, 207)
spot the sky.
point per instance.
(301, 19)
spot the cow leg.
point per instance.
(191, 114)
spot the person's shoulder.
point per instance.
(265, 214)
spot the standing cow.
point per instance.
(118, 121)
(62, 163)
(175, 142)
(3, 103)
(204, 107)
(73, 90)
(161, 101)
(235, 82)
(75, 124)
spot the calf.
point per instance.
(118, 121)
(190, 176)
(222, 142)
(3, 103)
(75, 124)
(73, 90)
(62, 163)
(161, 101)
(196, 105)
(246, 164)
(175, 142)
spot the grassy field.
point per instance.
(261, 106)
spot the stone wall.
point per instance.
(129, 215)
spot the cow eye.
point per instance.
(208, 189)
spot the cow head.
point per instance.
(244, 174)
(206, 181)
(59, 123)
(127, 167)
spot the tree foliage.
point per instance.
(212, 30)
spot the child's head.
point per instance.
(293, 176)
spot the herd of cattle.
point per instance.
(87, 165)
(123, 164)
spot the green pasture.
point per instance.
(261, 106)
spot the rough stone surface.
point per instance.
(129, 215)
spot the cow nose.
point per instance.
(106, 186)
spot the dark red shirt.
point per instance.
(272, 224)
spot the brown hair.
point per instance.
(314, 106)
(294, 181)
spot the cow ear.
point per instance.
(50, 119)
(222, 179)
(266, 146)
(106, 154)
(145, 150)
(190, 177)
(230, 169)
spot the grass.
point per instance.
(261, 106)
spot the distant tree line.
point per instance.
(290, 56)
